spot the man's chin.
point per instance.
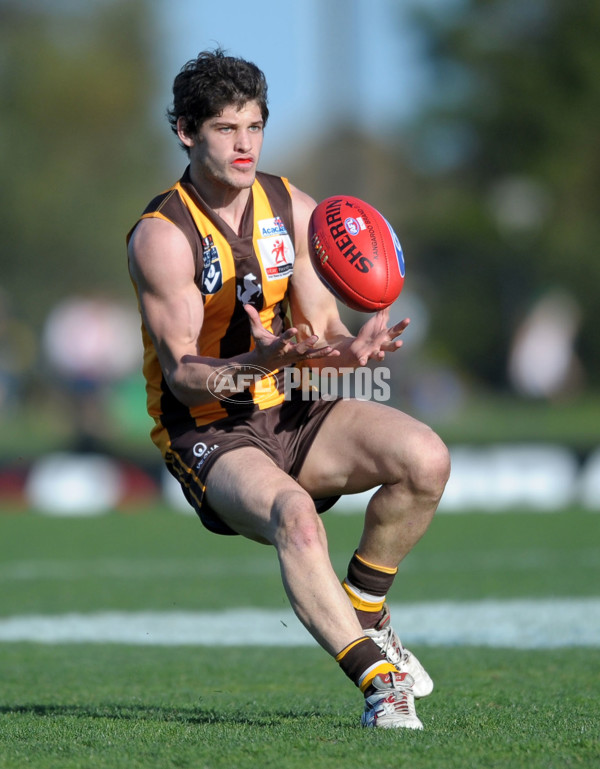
(243, 179)
(235, 180)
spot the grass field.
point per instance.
(112, 705)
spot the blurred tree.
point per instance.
(508, 157)
(79, 150)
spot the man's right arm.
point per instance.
(162, 267)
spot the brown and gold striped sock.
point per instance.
(361, 661)
(367, 586)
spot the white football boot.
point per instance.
(392, 704)
(390, 644)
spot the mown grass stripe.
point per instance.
(520, 624)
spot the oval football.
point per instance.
(356, 253)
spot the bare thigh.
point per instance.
(248, 491)
(360, 445)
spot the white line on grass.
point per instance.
(521, 624)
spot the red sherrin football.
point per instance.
(356, 253)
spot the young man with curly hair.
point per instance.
(220, 263)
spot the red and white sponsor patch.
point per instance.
(276, 249)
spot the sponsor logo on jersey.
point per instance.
(212, 272)
(276, 249)
(277, 255)
(268, 228)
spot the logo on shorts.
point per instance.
(202, 451)
(227, 382)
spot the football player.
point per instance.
(229, 299)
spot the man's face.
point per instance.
(227, 147)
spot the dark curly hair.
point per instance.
(211, 82)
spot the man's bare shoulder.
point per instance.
(302, 203)
(156, 233)
(159, 250)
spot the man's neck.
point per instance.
(227, 202)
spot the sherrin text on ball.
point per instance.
(356, 253)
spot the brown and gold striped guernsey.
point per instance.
(231, 270)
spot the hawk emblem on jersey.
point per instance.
(276, 249)
(250, 289)
(212, 273)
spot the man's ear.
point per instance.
(184, 137)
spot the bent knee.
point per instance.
(428, 467)
(298, 524)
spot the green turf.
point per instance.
(166, 560)
(87, 706)
(96, 706)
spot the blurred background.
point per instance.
(471, 124)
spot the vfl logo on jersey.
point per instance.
(212, 274)
(276, 249)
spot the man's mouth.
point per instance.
(243, 162)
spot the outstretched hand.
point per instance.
(278, 351)
(375, 338)
(372, 342)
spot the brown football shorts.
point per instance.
(284, 433)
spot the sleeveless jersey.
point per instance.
(253, 267)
